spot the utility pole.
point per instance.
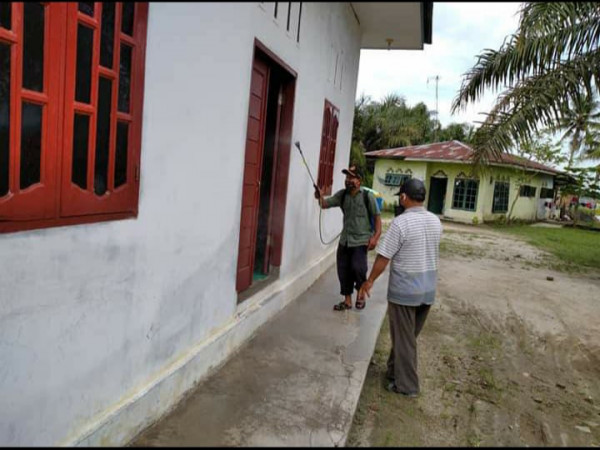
(437, 120)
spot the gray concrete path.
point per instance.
(296, 383)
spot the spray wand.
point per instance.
(297, 144)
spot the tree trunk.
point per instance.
(512, 206)
(574, 146)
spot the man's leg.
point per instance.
(420, 317)
(390, 362)
(359, 266)
(344, 268)
(404, 345)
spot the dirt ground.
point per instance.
(506, 357)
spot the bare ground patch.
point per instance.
(506, 357)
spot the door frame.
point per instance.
(281, 164)
(443, 197)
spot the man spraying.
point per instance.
(357, 236)
(412, 243)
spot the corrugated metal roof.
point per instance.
(452, 151)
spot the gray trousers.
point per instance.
(406, 323)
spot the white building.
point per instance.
(153, 209)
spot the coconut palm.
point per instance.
(551, 60)
(581, 124)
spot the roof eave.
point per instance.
(427, 21)
(457, 161)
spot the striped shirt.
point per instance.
(412, 243)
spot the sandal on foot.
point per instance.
(341, 306)
(360, 304)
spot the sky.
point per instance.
(460, 32)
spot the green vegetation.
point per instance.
(391, 123)
(569, 245)
(473, 440)
(550, 65)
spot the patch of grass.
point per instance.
(487, 379)
(570, 246)
(487, 343)
(473, 440)
(389, 440)
(455, 248)
(524, 346)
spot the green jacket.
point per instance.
(357, 226)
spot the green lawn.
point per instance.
(569, 245)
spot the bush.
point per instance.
(388, 206)
(583, 214)
(500, 220)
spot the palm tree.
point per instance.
(580, 122)
(551, 60)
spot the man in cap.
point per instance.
(357, 237)
(412, 244)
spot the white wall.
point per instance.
(103, 326)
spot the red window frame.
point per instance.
(56, 200)
(331, 116)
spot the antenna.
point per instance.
(435, 130)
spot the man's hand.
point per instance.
(317, 193)
(365, 289)
(372, 243)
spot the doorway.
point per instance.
(266, 167)
(437, 194)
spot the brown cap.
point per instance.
(353, 171)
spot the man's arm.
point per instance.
(375, 238)
(374, 209)
(379, 266)
(329, 202)
(319, 196)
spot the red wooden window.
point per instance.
(328, 141)
(71, 85)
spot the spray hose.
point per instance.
(297, 144)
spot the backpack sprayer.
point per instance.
(297, 144)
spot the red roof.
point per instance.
(452, 151)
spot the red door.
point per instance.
(252, 173)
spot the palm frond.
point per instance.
(532, 105)
(526, 54)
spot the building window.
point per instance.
(71, 86)
(501, 194)
(395, 179)
(328, 141)
(527, 191)
(546, 193)
(465, 194)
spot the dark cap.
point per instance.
(353, 171)
(414, 189)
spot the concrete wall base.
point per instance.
(145, 405)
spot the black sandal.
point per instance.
(341, 306)
(360, 304)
